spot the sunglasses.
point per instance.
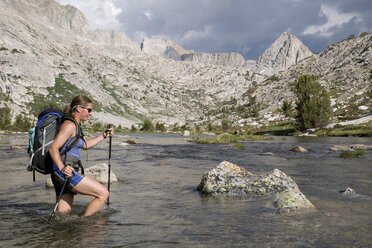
(85, 107)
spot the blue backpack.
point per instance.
(42, 136)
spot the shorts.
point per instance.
(58, 180)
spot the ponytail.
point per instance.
(67, 110)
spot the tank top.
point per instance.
(73, 152)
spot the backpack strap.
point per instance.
(79, 135)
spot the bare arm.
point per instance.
(94, 141)
(67, 130)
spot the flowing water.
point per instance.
(155, 202)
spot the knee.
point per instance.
(104, 194)
(62, 210)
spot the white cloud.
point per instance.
(192, 35)
(335, 19)
(100, 13)
(148, 14)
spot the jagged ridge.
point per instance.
(46, 57)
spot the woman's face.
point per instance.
(85, 111)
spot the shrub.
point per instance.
(352, 154)
(313, 104)
(160, 127)
(147, 125)
(97, 127)
(133, 128)
(210, 127)
(287, 108)
(363, 34)
(5, 118)
(22, 123)
(51, 104)
(255, 110)
(175, 128)
(225, 124)
(239, 146)
(184, 127)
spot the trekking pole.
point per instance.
(59, 198)
(109, 169)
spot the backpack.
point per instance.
(42, 136)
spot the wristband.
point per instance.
(104, 135)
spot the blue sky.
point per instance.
(244, 26)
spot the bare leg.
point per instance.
(65, 203)
(88, 186)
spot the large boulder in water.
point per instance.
(228, 179)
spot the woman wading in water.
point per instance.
(67, 165)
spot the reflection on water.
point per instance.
(155, 202)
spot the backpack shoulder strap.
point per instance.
(79, 134)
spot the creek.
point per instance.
(155, 202)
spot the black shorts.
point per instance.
(58, 180)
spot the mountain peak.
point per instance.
(287, 50)
(49, 12)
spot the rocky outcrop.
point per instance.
(228, 179)
(51, 13)
(48, 53)
(112, 39)
(286, 51)
(164, 48)
(171, 50)
(225, 59)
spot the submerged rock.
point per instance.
(361, 147)
(299, 149)
(16, 147)
(49, 184)
(351, 147)
(347, 191)
(131, 141)
(228, 179)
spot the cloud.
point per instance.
(100, 13)
(335, 20)
(245, 26)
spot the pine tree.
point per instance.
(313, 104)
(287, 108)
(5, 118)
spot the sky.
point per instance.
(248, 27)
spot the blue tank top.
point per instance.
(74, 151)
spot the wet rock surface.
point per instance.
(352, 147)
(299, 149)
(228, 179)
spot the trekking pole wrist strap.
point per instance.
(104, 135)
